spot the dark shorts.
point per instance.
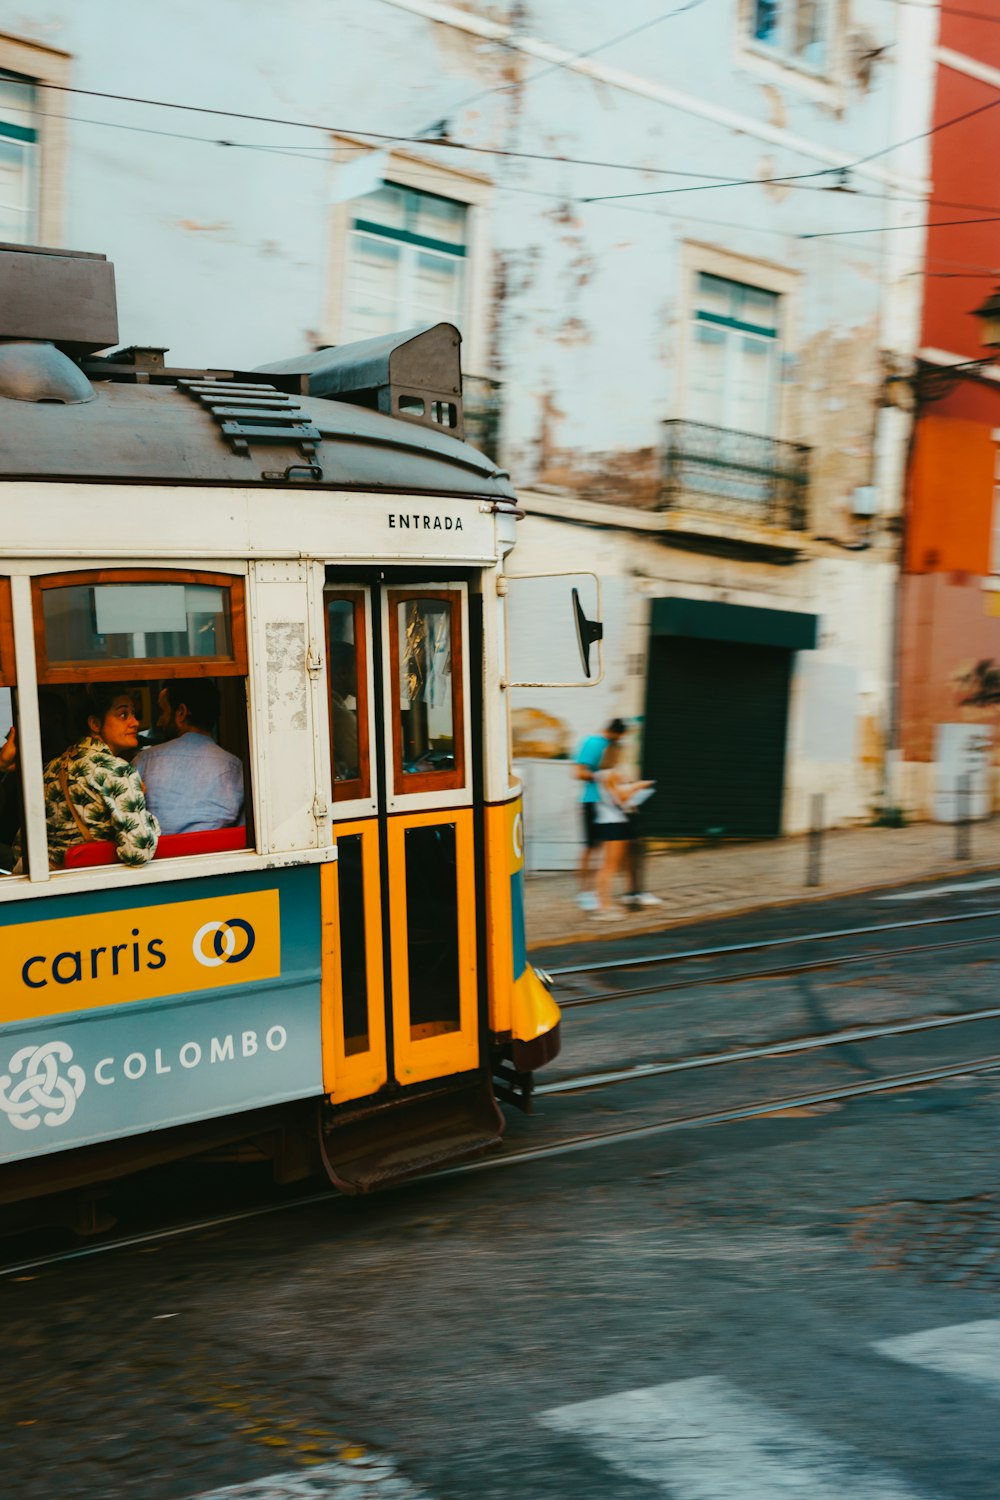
(590, 824)
(614, 833)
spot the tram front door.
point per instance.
(399, 903)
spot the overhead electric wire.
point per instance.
(860, 161)
(828, 234)
(452, 145)
(715, 179)
(293, 152)
(393, 139)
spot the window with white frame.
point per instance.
(733, 364)
(406, 262)
(18, 159)
(793, 31)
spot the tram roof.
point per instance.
(163, 433)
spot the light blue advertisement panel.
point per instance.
(72, 1076)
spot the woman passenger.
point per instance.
(91, 790)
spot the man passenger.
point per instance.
(191, 783)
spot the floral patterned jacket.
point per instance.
(109, 799)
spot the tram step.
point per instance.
(390, 1143)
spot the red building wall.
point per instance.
(950, 616)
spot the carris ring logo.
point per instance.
(223, 945)
(43, 1087)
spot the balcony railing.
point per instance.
(736, 474)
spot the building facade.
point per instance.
(684, 253)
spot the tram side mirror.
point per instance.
(553, 625)
(587, 632)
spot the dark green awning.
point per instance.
(707, 621)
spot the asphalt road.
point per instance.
(803, 1304)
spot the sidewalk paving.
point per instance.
(708, 882)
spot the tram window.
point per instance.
(172, 645)
(353, 950)
(427, 660)
(348, 679)
(199, 790)
(99, 624)
(432, 930)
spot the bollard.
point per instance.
(963, 817)
(813, 866)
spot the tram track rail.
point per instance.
(648, 960)
(850, 1036)
(785, 971)
(779, 971)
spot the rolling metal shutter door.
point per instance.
(716, 720)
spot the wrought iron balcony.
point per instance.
(736, 474)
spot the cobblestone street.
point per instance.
(413, 1340)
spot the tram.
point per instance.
(339, 976)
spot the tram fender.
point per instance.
(535, 1029)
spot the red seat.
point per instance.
(170, 846)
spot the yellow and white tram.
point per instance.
(340, 975)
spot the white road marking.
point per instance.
(970, 1351)
(374, 1478)
(704, 1439)
(942, 890)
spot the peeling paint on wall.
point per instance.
(285, 644)
(833, 405)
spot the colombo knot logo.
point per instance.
(222, 947)
(44, 1093)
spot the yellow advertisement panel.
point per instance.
(142, 953)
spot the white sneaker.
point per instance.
(644, 898)
(587, 901)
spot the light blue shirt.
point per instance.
(590, 754)
(192, 784)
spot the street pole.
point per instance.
(814, 863)
(963, 831)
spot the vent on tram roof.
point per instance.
(33, 370)
(416, 375)
(250, 413)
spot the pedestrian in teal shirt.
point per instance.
(588, 762)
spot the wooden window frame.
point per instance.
(8, 670)
(359, 787)
(408, 169)
(781, 51)
(46, 68)
(142, 668)
(413, 783)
